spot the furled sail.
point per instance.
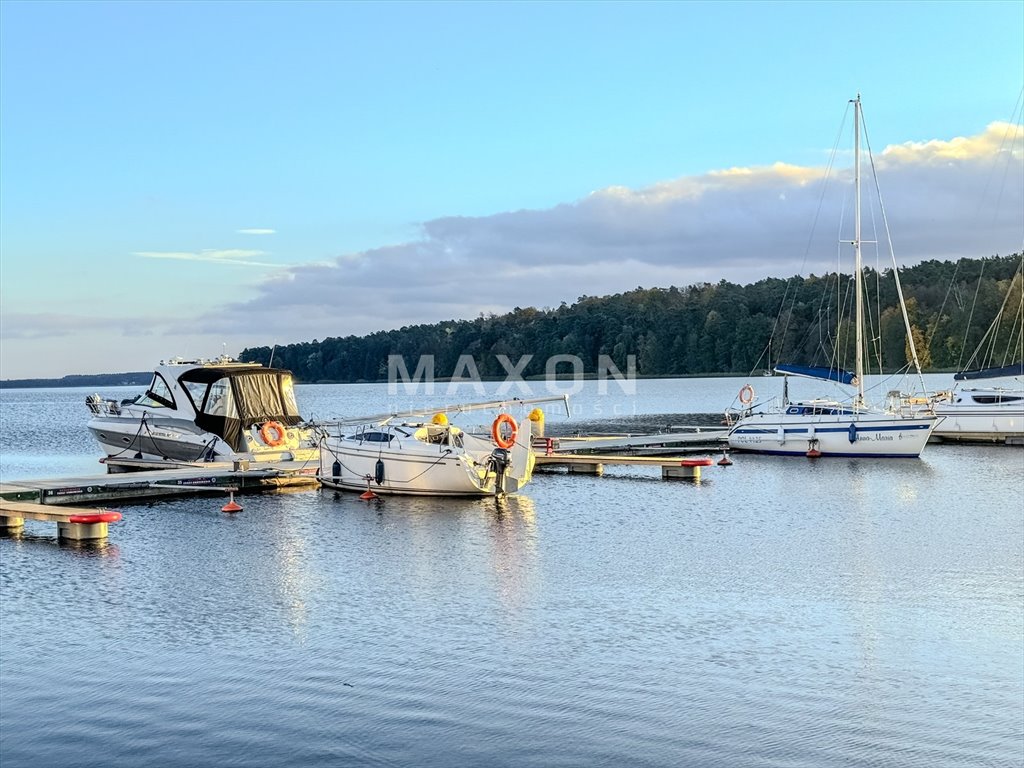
(818, 372)
(1016, 369)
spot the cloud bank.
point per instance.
(944, 200)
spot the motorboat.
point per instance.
(829, 427)
(204, 411)
(411, 455)
(990, 414)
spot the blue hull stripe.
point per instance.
(820, 430)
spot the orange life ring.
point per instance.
(746, 394)
(277, 429)
(501, 440)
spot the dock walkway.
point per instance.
(212, 477)
(593, 464)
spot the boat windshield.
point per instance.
(158, 395)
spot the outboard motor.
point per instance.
(500, 461)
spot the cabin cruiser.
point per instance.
(200, 410)
(401, 454)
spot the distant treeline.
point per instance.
(703, 329)
(137, 378)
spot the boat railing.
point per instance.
(913, 405)
(100, 407)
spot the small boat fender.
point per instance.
(378, 472)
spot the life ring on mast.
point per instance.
(499, 438)
(272, 433)
(746, 394)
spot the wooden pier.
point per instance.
(693, 440)
(211, 477)
(593, 464)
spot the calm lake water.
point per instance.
(782, 612)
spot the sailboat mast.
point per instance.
(856, 253)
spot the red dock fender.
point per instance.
(695, 463)
(97, 517)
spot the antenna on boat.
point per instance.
(272, 350)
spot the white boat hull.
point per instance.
(412, 467)
(863, 434)
(182, 441)
(967, 421)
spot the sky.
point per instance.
(189, 179)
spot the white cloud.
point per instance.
(256, 231)
(229, 256)
(737, 224)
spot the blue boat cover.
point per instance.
(818, 372)
(1017, 369)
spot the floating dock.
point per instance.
(593, 464)
(694, 440)
(211, 477)
(74, 524)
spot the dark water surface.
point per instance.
(780, 613)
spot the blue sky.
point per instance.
(186, 178)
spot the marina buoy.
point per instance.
(725, 461)
(368, 494)
(231, 506)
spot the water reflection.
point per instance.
(514, 549)
(90, 548)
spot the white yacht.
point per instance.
(200, 410)
(828, 427)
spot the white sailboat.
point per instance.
(401, 453)
(828, 427)
(994, 411)
(981, 414)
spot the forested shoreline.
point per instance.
(705, 329)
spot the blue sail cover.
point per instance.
(1017, 369)
(818, 372)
